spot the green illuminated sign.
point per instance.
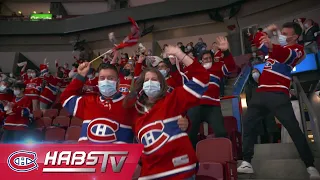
(36, 17)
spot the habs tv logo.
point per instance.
(22, 161)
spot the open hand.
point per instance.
(222, 43)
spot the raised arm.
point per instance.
(71, 98)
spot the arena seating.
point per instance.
(230, 124)
(219, 153)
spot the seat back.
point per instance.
(217, 150)
(46, 121)
(73, 133)
(212, 170)
(51, 113)
(64, 112)
(37, 114)
(62, 121)
(76, 121)
(54, 134)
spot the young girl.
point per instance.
(168, 152)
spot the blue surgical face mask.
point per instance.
(163, 72)
(151, 88)
(107, 87)
(2, 87)
(282, 40)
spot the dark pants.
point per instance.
(222, 83)
(14, 136)
(206, 113)
(260, 105)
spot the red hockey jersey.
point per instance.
(125, 84)
(218, 56)
(50, 91)
(4, 96)
(91, 86)
(217, 72)
(104, 120)
(168, 152)
(20, 116)
(276, 75)
(33, 88)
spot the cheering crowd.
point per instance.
(160, 102)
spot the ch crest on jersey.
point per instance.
(269, 64)
(123, 89)
(153, 137)
(102, 130)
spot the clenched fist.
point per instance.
(83, 69)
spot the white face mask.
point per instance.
(11, 75)
(90, 76)
(207, 65)
(254, 55)
(107, 87)
(16, 92)
(151, 88)
(283, 40)
(256, 76)
(96, 75)
(2, 87)
(306, 26)
(33, 75)
(163, 72)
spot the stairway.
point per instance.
(279, 162)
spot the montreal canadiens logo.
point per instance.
(22, 161)
(102, 130)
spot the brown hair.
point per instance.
(138, 86)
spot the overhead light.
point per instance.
(34, 12)
(19, 12)
(49, 12)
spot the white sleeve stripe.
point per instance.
(66, 101)
(76, 106)
(197, 81)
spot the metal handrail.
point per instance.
(313, 117)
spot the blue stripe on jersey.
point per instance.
(225, 70)
(214, 79)
(122, 135)
(292, 57)
(196, 87)
(283, 69)
(71, 104)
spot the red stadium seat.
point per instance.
(37, 114)
(51, 113)
(46, 121)
(54, 134)
(207, 151)
(211, 169)
(62, 121)
(64, 112)
(230, 123)
(73, 133)
(76, 121)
